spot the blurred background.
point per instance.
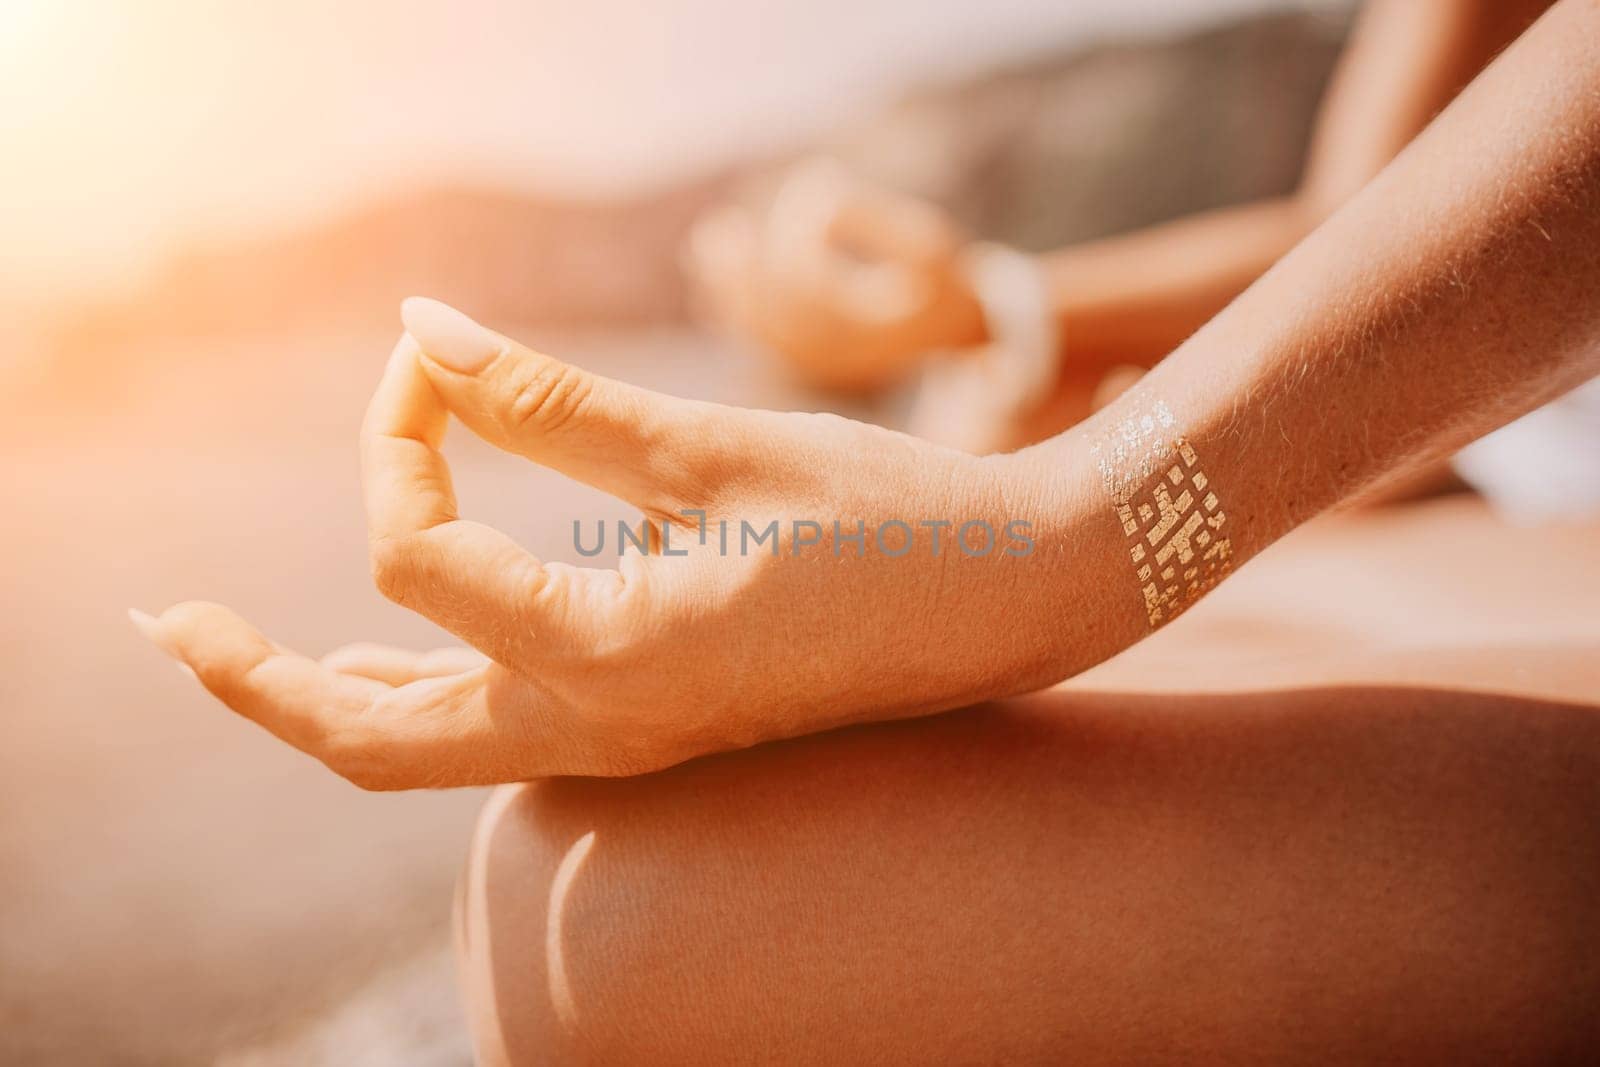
(211, 211)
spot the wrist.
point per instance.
(1079, 598)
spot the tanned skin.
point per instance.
(1384, 874)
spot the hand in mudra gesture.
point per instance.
(851, 285)
(709, 645)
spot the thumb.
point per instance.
(646, 448)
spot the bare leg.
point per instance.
(1323, 873)
(1327, 875)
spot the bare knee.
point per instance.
(705, 911)
(503, 908)
(967, 887)
(869, 895)
(556, 937)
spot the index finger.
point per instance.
(468, 578)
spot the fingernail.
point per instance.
(150, 627)
(448, 337)
(145, 623)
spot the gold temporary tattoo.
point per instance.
(1168, 510)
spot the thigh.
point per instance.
(1313, 875)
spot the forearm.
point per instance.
(1454, 293)
(1132, 299)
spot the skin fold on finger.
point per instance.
(398, 666)
(652, 450)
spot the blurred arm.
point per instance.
(1134, 298)
(1453, 293)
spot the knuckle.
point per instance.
(547, 397)
(360, 762)
(393, 565)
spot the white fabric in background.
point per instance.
(1546, 465)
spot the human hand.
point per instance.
(850, 284)
(686, 650)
